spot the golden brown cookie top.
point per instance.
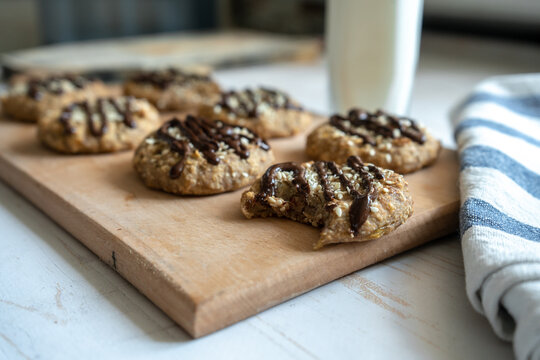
(35, 88)
(252, 103)
(213, 139)
(371, 127)
(354, 183)
(99, 113)
(163, 79)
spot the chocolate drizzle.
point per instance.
(126, 114)
(321, 167)
(205, 136)
(360, 207)
(268, 180)
(249, 103)
(165, 78)
(381, 123)
(37, 87)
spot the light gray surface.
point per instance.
(58, 301)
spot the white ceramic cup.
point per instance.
(372, 51)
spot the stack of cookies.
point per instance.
(217, 142)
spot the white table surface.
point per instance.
(59, 301)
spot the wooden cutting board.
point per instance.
(198, 258)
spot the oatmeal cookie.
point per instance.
(270, 113)
(392, 142)
(174, 89)
(31, 97)
(351, 202)
(103, 125)
(199, 157)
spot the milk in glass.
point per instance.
(372, 50)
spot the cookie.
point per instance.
(173, 89)
(351, 202)
(195, 156)
(32, 97)
(388, 141)
(270, 113)
(103, 125)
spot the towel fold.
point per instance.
(498, 135)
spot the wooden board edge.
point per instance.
(210, 315)
(173, 301)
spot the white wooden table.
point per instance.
(58, 301)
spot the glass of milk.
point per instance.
(372, 51)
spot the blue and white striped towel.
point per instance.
(498, 136)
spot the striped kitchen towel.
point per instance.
(498, 134)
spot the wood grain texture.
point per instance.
(197, 258)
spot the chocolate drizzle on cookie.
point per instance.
(268, 180)
(251, 103)
(360, 207)
(380, 122)
(164, 78)
(321, 168)
(205, 136)
(53, 85)
(66, 116)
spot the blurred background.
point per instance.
(30, 23)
